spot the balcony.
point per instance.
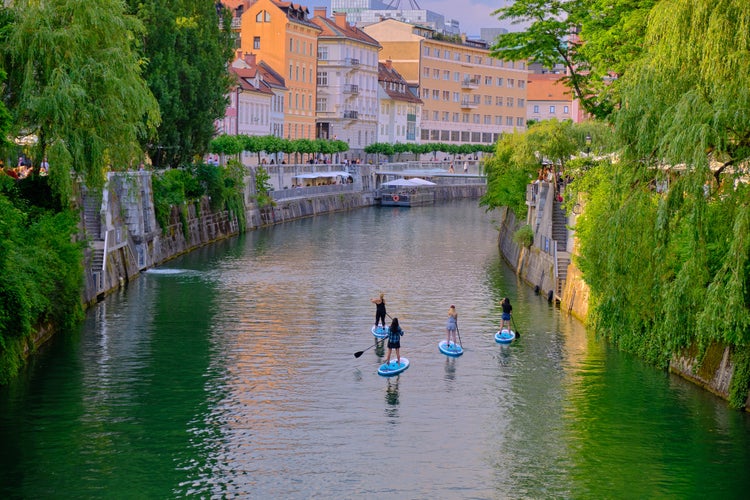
(351, 89)
(470, 83)
(466, 104)
(353, 62)
(351, 115)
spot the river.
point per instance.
(230, 373)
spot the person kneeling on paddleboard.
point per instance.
(394, 341)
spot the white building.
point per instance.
(347, 83)
(400, 109)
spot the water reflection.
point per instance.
(224, 381)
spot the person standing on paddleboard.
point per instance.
(379, 309)
(507, 309)
(394, 341)
(452, 324)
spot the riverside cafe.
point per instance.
(313, 179)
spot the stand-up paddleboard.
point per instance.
(453, 349)
(392, 368)
(380, 332)
(505, 337)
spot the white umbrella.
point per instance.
(398, 182)
(418, 181)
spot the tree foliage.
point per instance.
(76, 84)
(594, 40)
(187, 56)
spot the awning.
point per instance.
(318, 175)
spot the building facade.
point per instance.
(549, 98)
(347, 82)
(283, 37)
(468, 96)
(400, 110)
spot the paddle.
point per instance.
(459, 336)
(360, 353)
(518, 334)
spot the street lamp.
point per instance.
(588, 143)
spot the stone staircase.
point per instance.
(92, 225)
(560, 236)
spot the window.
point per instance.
(446, 74)
(566, 110)
(291, 44)
(455, 117)
(499, 81)
(521, 84)
(437, 53)
(456, 97)
(488, 100)
(487, 120)
(436, 94)
(509, 121)
(476, 118)
(536, 108)
(446, 95)
(436, 74)
(456, 56)
(498, 120)
(425, 93)
(511, 83)
(435, 115)
(456, 76)
(509, 102)
(552, 110)
(446, 116)
(427, 51)
(447, 54)
(267, 16)
(465, 117)
(426, 72)
(498, 101)
(321, 104)
(488, 80)
(323, 53)
(519, 121)
(521, 102)
(468, 58)
(291, 71)
(256, 42)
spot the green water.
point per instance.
(230, 373)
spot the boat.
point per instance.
(391, 367)
(453, 349)
(407, 198)
(380, 332)
(505, 336)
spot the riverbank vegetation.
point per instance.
(89, 88)
(664, 236)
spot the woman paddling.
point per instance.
(507, 310)
(379, 310)
(451, 325)
(394, 341)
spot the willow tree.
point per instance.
(686, 104)
(80, 88)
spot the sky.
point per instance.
(471, 14)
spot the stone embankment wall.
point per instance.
(125, 238)
(535, 267)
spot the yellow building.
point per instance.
(468, 96)
(281, 35)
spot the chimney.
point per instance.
(388, 63)
(340, 19)
(319, 12)
(250, 59)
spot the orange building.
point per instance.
(281, 35)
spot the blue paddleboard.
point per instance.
(453, 349)
(380, 331)
(505, 336)
(392, 368)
